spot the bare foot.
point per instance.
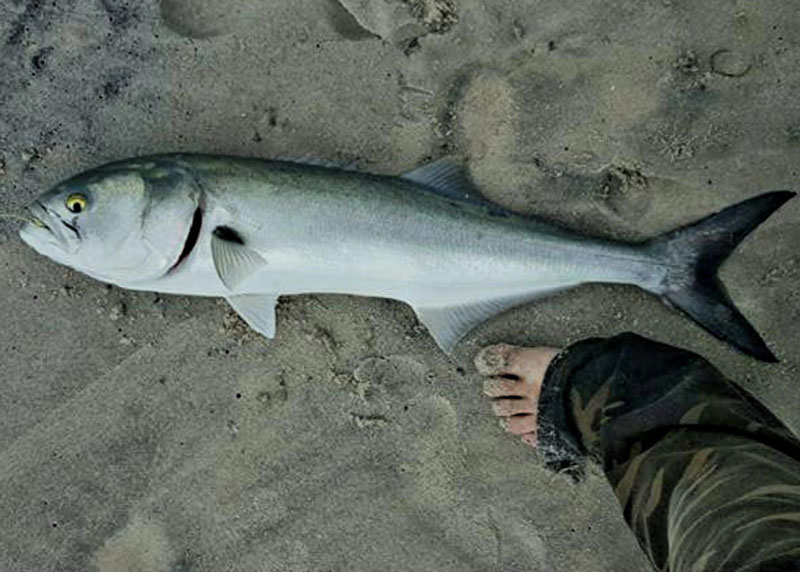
(514, 382)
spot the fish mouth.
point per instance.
(191, 239)
(36, 221)
(41, 219)
(55, 217)
(45, 228)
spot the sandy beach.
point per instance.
(146, 432)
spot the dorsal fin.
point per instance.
(450, 179)
(445, 176)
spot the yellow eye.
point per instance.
(76, 203)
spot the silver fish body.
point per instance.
(250, 230)
(322, 230)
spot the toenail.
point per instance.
(503, 423)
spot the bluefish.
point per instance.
(250, 230)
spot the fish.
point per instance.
(250, 230)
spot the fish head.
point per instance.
(126, 223)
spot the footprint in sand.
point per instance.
(402, 23)
(435, 476)
(208, 18)
(523, 127)
(204, 18)
(388, 376)
(141, 545)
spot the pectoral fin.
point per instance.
(233, 260)
(258, 310)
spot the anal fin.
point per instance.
(448, 324)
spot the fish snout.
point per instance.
(36, 212)
(42, 232)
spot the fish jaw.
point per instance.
(45, 234)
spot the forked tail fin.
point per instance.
(695, 252)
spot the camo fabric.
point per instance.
(708, 479)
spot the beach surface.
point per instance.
(145, 432)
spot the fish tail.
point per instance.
(693, 254)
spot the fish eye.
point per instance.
(76, 203)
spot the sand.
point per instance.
(141, 432)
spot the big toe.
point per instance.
(493, 360)
(514, 362)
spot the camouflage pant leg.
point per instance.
(712, 502)
(708, 479)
